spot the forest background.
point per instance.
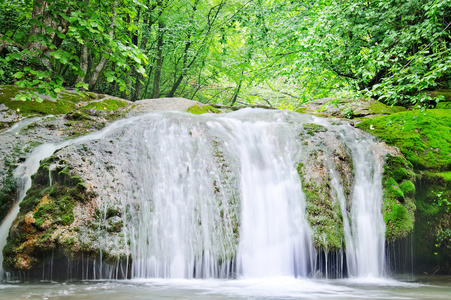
(274, 52)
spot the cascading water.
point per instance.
(365, 243)
(189, 214)
(220, 196)
(274, 235)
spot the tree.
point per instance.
(389, 49)
(65, 38)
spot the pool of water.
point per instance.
(432, 287)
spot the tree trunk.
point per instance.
(51, 20)
(160, 58)
(39, 7)
(83, 63)
(237, 91)
(103, 60)
(83, 54)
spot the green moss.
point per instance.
(312, 128)
(397, 220)
(377, 107)
(301, 110)
(445, 175)
(423, 137)
(432, 242)
(59, 211)
(408, 188)
(393, 188)
(443, 105)
(198, 110)
(399, 207)
(107, 104)
(324, 217)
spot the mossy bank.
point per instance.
(417, 189)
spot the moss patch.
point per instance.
(445, 175)
(399, 190)
(312, 128)
(198, 110)
(377, 107)
(423, 137)
(107, 104)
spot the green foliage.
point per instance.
(390, 49)
(226, 51)
(53, 47)
(423, 137)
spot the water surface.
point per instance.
(432, 287)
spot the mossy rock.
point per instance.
(198, 110)
(432, 234)
(107, 104)
(323, 214)
(423, 137)
(377, 107)
(47, 107)
(67, 101)
(44, 222)
(445, 94)
(399, 190)
(348, 108)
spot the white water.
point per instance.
(274, 235)
(366, 243)
(199, 179)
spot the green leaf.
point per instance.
(18, 75)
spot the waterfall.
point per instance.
(219, 196)
(274, 235)
(364, 227)
(189, 215)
